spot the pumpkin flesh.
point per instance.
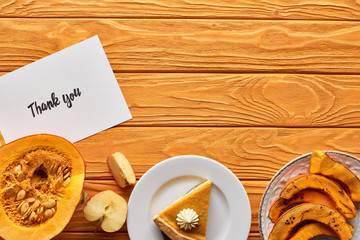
(305, 196)
(312, 230)
(285, 225)
(51, 172)
(343, 202)
(321, 163)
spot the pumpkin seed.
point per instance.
(32, 216)
(67, 175)
(30, 200)
(59, 170)
(50, 203)
(48, 213)
(24, 208)
(40, 210)
(10, 191)
(20, 177)
(17, 169)
(36, 205)
(53, 211)
(21, 195)
(19, 207)
(66, 182)
(59, 182)
(26, 214)
(66, 170)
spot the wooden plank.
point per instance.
(92, 236)
(251, 153)
(78, 223)
(184, 45)
(168, 99)
(255, 190)
(235, 9)
(254, 236)
(188, 99)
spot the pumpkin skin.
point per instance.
(343, 202)
(312, 230)
(51, 170)
(310, 212)
(321, 163)
(304, 196)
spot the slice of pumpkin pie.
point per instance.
(186, 218)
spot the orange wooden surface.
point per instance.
(251, 84)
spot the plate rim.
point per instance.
(291, 162)
(205, 160)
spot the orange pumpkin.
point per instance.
(41, 179)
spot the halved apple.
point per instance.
(121, 169)
(108, 207)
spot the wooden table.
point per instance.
(251, 84)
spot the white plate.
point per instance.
(229, 207)
(296, 167)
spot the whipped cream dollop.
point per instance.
(187, 219)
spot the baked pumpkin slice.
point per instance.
(321, 163)
(41, 182)
(186, 218)
(313, 229)
(280, 205)
(301, 213)
(342, 201)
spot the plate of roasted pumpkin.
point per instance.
(315, 196)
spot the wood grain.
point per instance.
(251, 153)
(79, 224)
(230, 9)
(92, 236)
(182, 45)
(166, 99)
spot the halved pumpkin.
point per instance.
(312, 230)
(304, 196)
(312, 181)
(321, 163)
(41, 177)
(286, 224)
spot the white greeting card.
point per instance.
(72, 93)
